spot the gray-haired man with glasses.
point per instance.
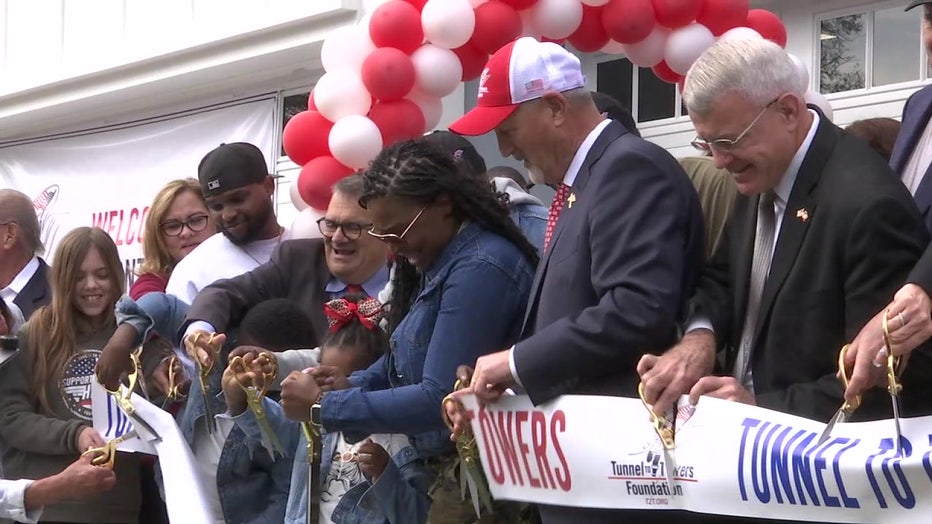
(822, 234)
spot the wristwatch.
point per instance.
(315, 410)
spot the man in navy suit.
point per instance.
(23, 273)
(624, 248)
(911, 309)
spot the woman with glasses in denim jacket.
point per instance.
(461, 284)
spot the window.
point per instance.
(649, 97)
(292, 105)
(869, 49)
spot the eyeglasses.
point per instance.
(173, 228)
(392, 238)
(351, 230)
(725, 144)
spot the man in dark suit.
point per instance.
(624, 248)
(23, 273)
(821, 236)
(911, 305)
(308, 271)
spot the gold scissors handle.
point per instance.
(174, 384)
(122, 395)
(458, 385)
(662, 426)
(848, 407)
(105, 455)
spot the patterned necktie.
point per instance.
(556, 206)
(763, 254)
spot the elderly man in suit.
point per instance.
(911, 307)
(624, 246)
(23, 273)
(821, 236)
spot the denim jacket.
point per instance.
(253, 488)
(471, 303)
(399, 496)
(156, 313)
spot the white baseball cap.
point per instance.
(518, 72)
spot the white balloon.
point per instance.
(613, 48)
(557, 19)
(801, 70)
(595, 3)
(305, 224)
(740, 33)
(346, 48)
(650, 51)
(818, 99)
(431, 107)
(684, 45)
(296, 199)
(340, 94)
(437, 71)
(354, 141)
(448, 23)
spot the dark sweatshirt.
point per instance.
(37, 443)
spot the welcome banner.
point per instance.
(730, 459)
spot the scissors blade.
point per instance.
(840, 417)
(898, 445)
(140, 423)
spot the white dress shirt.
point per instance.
(12, 504)
(9, 293)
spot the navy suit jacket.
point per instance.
(622, 260)
(36, 293)
(916, 114)
(624, 256)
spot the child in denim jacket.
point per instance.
(379, 480)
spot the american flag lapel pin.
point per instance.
(802, 214)
(571, 200)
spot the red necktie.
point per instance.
(556, 206)
(354, 288)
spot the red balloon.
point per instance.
(388, 73)
(398, 120)
(591, 35)
(311, 105)
(305, 137)
(419, 4)
(472, 60)
(316, 180)
(663, 72)
(676, 13)
(721, 15)
(397, 24)
(519, 4)
(496, 25)
(768, 25)
(628, 21)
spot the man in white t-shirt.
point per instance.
(238, 188)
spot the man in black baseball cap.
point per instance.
(238, 189)
(917, 3)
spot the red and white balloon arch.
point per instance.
(385, 77)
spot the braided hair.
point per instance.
(419, 171)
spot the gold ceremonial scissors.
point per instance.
(123, 396)
(104, 456)
(664, 428)
(204, 379)
(255, 394)
(847, 408)
(174, 385)
(893, 385)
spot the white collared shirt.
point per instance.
(12, 498)
(22, 278)
(568, 179)
(919, 160)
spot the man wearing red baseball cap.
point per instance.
(623, 247)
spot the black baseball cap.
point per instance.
(461, 150)
(917, 3)
(231, 166)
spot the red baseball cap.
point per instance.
(518, 72)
